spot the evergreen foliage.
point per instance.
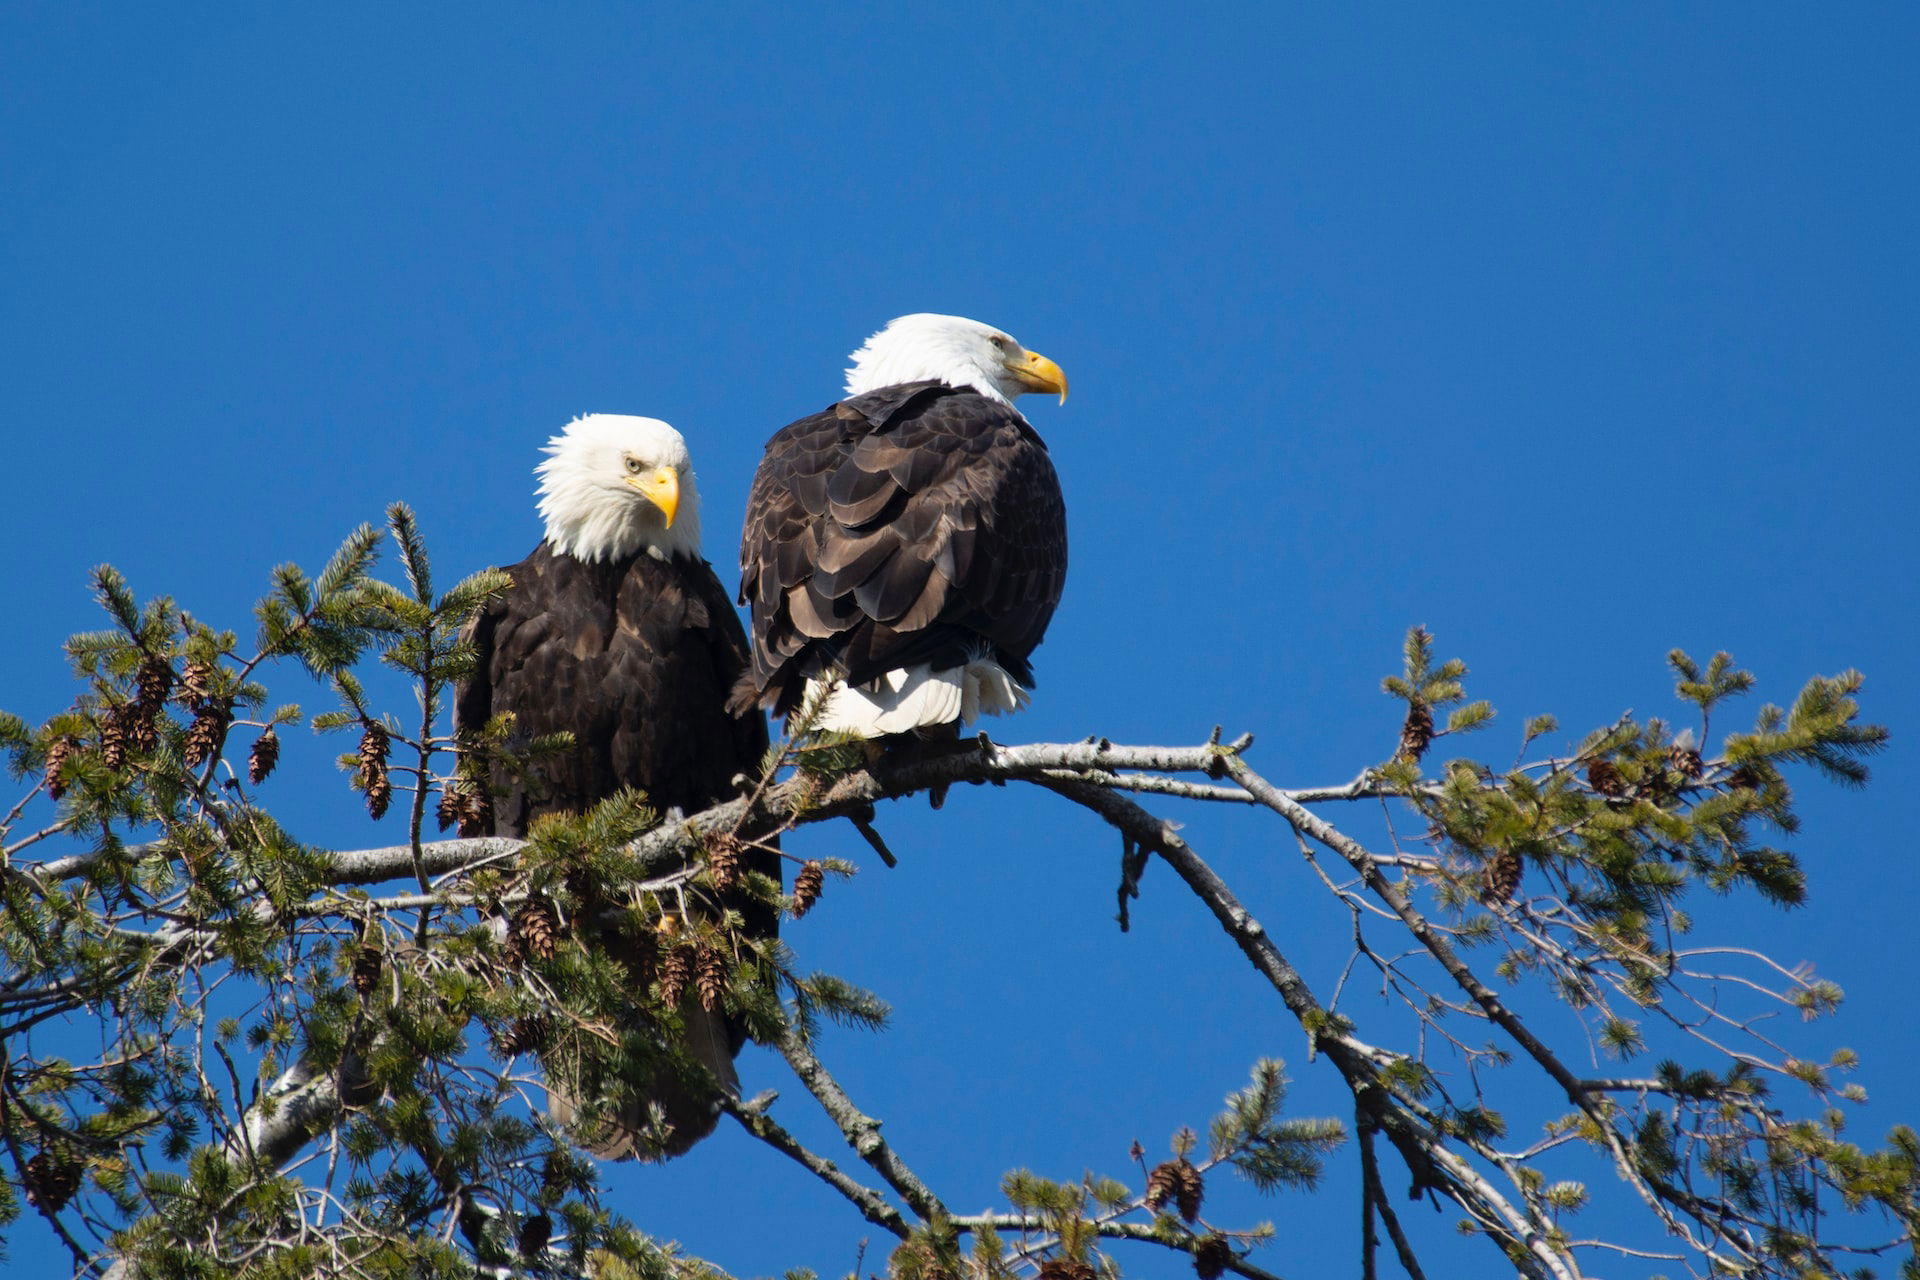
(319, 1062)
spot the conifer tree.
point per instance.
(324, 1062)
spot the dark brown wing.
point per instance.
(918, 523)
(635, 658)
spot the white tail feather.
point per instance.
(915, 697)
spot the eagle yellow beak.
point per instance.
(1037, 373)
(661, 487)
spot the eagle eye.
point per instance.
(999, 342)
(634, 465)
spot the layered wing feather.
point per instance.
(917, 523)
(634, 658)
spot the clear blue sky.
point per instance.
(1573, 334)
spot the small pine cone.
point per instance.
(265, 755)
(723, 861)
(534, 1234)
(1136, 1151)
(1178, 1181)
(1188, 1190)
(1211, 1256)
(1503, 877)
(50, 1181)
(807, 886)
(373, 769)
(525, 1035)
(374, 745)
(379, 794)
(142, 728)
(367, 965)
(57, 752)
(676, 970)
(153, 684)
(1687, 762)
(205, 737)
(196, 679)
(713, 977)
(536, 928)
(1417, 733)
(1746, 776)
(113, 738)
(513, 953)
(1160, 1185)
(446, 811)
(476, 813)
(1604, 776)
(1066, 1269)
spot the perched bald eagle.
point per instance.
(617, 632)
(910, 540)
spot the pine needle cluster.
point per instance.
(398, 1015)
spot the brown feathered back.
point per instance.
(916, 523)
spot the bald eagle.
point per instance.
(617, 632)
(909, 541)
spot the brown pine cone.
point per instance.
(1066, 1269)
(1604, 777)
(1211, 1256)
(807, 886)
(1187, 1193)
(141, 727)
(1746, 776)
(57, 752)
(49, 1181)
(152, 684)
(676, 970)
(1160, 1185)
(526, 1034)
(374, 745)
(1178, 1181)
(208, 731)
(196, 680)
(379, 794)
(476, 813)
(446, 811)
(367, 966)
(265, 755)
(536, 928)
(1417, 733)
(713, 977)
(723, 860)
(113, 738)
(1503, 877)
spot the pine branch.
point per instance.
(871, 1204)
(861, 1131)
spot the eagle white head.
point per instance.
(954, 350)
(614, 484)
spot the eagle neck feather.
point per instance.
(589, 522)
